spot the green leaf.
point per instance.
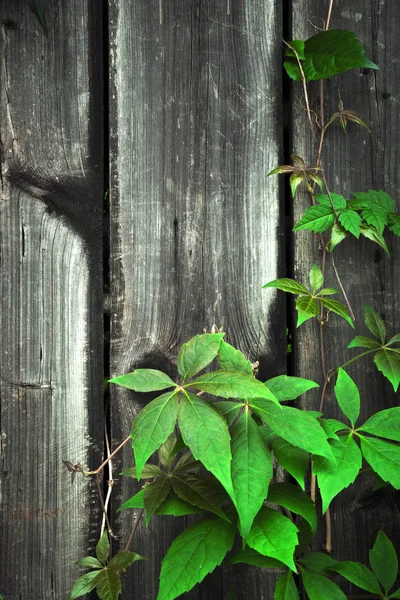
(252, 557)
(388, 363)
(385, 423)
(172, 505)
(371, 234)
(358, 574)
(307, 308)
(286, 588)
(318, 218)
(394, 224)
(376, 218)
(295, 180)
(89, 562)
(394, 340)
(193, 554)
(361, 341)
(231, 359)
(338, 201)
(199, 352)
(232, 385)
(351, 221)
(103, 548)
(108, 586)
(287, 285)
(187, 464)
(348, 396)
(318, 586)
(201, 491)
(123, 560)
(206, 433)
(144, 380)
(291, 497)
(294, 460)
(318, 562)
(338, 234)
(329, 429)
(316, 278)
(152, 427)
(154, 495)
(295, 426)
(338, 308)
(395, 594)
(298, 46)
(39, 8)
(148, 472)
(274, 535)
(329, 53)
(229, 410)
(383, 561)
(286, 388)
(251, 470)
(333, 478)
(373, 199)
(384, 458)
(328, 292)
(84, 584)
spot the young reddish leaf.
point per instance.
(199, 352)
(144, 380)
(274, 535)
(383, 560)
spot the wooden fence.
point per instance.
(179, 109)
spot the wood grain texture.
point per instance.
(354, 163)
(51, 293)
(196, 227)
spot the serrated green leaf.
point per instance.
(148, 472)
(154, 495)
(318, 562)
(294, 460)
(384, 458)
(108, 586)
(123, 560)
(351, 221)
(294, 499)
(338, 308)
(394, 224)
(229, 410)
(89, 562)
(152, 427)
(286, 388)
(318, 586)
(376, 218)
(334, 477)
(361, 341)
(394, 340)
(358, 574)
(307, 308)
(347, 396)
(328, 292)
(388, 363)
(202, 491)
(329, 53)
(274, 535)
(39, 8)
(252, 557)
(338, 234)
(84, 584)
(231, 359)
(206, 434)
(187, 464)
(103, 548)
(373, 199)
(232, 385)
(338, 201)
(286, 588)
(193, 554)
(199, 352)
(172, 505)
(371, 234)
(383, 561)
(318, 218)
(316, 278)
(251, 470)
(295, 426)
(287, 285)
(168, 450)
(144, 380)
(329, 430)
(385, 423)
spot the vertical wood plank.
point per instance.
(196, 227)
(51, 293)
(354, 163)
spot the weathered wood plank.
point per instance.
(196, 228)
(51, 293)
(353, 163)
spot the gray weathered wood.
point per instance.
(196, 229)
(353, 163)
(51, 289)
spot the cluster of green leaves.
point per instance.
(105, 575)
(366, 214)
(309, 301)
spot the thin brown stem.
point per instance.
(342, 288)
(103, 464)
(134, 528)
(328, 525)
(328, 19)
(103, 508)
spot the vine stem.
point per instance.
(134, 528)
(332, 373)
(342, 288)
(103, 464)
